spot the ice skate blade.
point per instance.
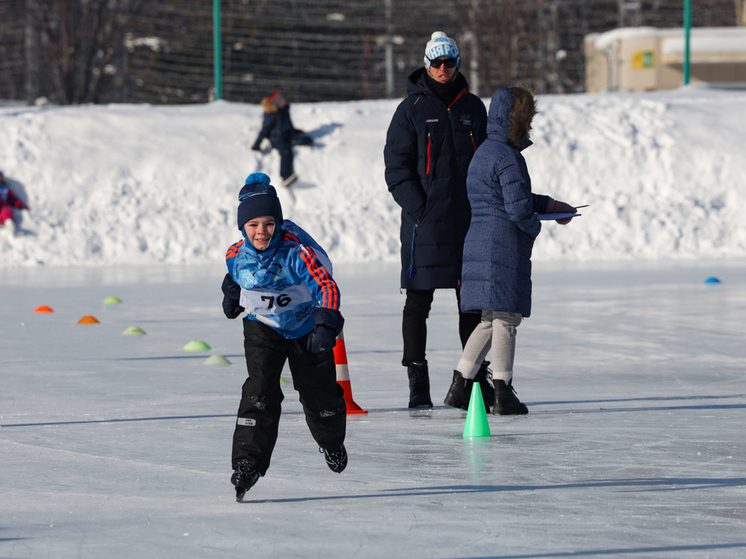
(240, 493)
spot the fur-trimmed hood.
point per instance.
(499, 121)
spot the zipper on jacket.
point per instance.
(429, 150)
(473, 143)
(412, 270)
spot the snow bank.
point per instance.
(663, 173)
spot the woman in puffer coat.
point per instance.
(496, 275)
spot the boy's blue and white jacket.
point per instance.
(284, 285)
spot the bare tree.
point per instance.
(501, 27)
(80, 40)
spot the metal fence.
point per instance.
(318, 50)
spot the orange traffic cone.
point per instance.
(343, 375)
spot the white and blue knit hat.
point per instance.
(441, 45)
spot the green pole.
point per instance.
(687, 33)
(217, 49)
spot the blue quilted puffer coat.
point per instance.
(496, 273)
(428, 149)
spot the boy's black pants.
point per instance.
(315, 379)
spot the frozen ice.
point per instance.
(119, 446)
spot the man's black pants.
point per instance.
(414, 324)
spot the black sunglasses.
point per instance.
(438, 62)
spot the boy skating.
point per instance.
(283, 279)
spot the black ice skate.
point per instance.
(244, 478)
(507, 403)
(459, 392)
(419, 386)
(336, 458)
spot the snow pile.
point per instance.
(663, 173)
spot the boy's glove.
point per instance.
(231, 297)
(327, 326)
(557, 207)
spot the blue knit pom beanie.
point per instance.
(258, 198)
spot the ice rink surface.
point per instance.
(118, 446)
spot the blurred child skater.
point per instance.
(279, 129)
(8, 201)
(496, 274)
(283, 279)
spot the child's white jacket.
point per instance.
(283, 285)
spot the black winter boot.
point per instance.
(507, 402)
(459, 393)
(419, 386)
(484, 378)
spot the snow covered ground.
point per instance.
(117, 446)
(664, 174)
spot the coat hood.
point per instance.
(265, 257)
(498, 118)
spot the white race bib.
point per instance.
(277, 309)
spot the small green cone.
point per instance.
(216, 360)
(112, 300)
(133, 331)
(476, 418)
(196, 345)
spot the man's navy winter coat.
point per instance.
(428, 149)
(497, 251)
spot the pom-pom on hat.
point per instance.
(257, 198)
(441, 45)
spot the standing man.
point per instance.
(429, 145)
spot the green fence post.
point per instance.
(687, 33)
(217, 49)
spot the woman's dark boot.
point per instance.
(419, 386)
(459, 392)
(506, 402)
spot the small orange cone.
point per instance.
(88, 319)
(43, 308)
(343, 375)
